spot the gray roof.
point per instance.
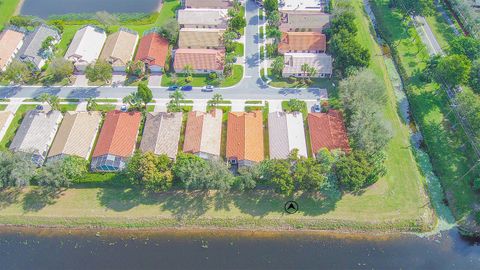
(36, 133)
(286, 132)
(30, 50)
(161, 133)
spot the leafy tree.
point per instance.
(464, 45)
(195, 173)
(273, 19)
(452, 70)
(145, 93)
(47, 47)
(52, 100)
(277, 174)
(59, 24)
(296, 105)
(272, 50)
(174, 104)
(238, 22)
(101, 70)
(60, 69)
(476, 184)
(92, 104)
(247, 178)
(344, 21)
(23, 21)
(136, 68)
(17, 72)
(188, 70)
(277, 66)
(134, 100)
(74, 168)
(16, 170)
(349, 54)
(469, 105)
(275, 33)
(106, 20)
(309, 175)
(357, 170)
(215, 101)
(415, 7)
(170, 30)
(270, 5)
(151, 171)
(52, 176)
(474, 81)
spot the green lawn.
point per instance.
(396, 202)
(17, 120)
(150, 108)
(106, 100)
(202, 79)
(239, 49)
(7, 8)
(281, 82)
(450, 159)
(168, 11)
(235, 78)
(287, 108)
(105, 107)
(3, 106)
(68, 107)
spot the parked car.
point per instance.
(123, 108)
(317, 108)
(208, 88)
(187, 88)
(172, 87)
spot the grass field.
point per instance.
(450, 156)
(395, 202)
(3, 107)
(7, 8)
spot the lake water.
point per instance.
(44, 249)
(45, 8)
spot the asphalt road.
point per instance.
(250, 87)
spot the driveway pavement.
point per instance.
(118, 79)
(275, 106)
(155, 80)
(81, 80)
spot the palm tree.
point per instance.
(305, 67)
(312, 72)
(215, 101)
(50, 99)
(174, 104)
(133, 100)
(92, 104)
(188, 69)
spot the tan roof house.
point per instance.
(303, 15)
(76, 135)
(203, 134)
(302, 42)
(86, 46)
(6, 118)
(162, 133)
(203, 18)
(245, 138)
(120, 48)
(207, 3)
(320, 61)
(200, 60)
(36, 134)
(200, 38)
(10, 43)
(286, 132)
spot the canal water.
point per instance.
(46, 8)
(226, 250)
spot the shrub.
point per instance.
(476, 184)
(212, 76)
(189, 79)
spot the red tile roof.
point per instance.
(245, 136)
(119, 134)
(327, 130)
(153, 50)
(209, 59)
(302, 41)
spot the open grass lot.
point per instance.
(7, 9)
(235, 78)
(396, 202)
(447, 148)
(17, 120)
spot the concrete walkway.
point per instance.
(238, 105)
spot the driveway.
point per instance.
(275, 106)
(155, 80)
(118, 79)
(81, 80)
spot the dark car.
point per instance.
(173, 87)
(187, 88)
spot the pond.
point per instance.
(46, 8)
(44, 249)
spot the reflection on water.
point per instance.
(227, 250)
(45, 8)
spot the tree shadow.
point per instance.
(36, 199)
(123, 199)
(9, 196)
(185, 205)
(91, 92)
(10, 91)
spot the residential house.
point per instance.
(32, 50)
(327, 130)
(200, 38)
(303, 15)
(302, 42)
(203, 18)
(226, 4)
(76, 135)
(162, 133)
(86, 46)
(321, 62)
(244, 138)
(200, 60)
(203, 134)
(10, 43)
(286, 132)
(6, 118)
(120, 48)
(36, 134)
(116, 142)
(153, 51)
